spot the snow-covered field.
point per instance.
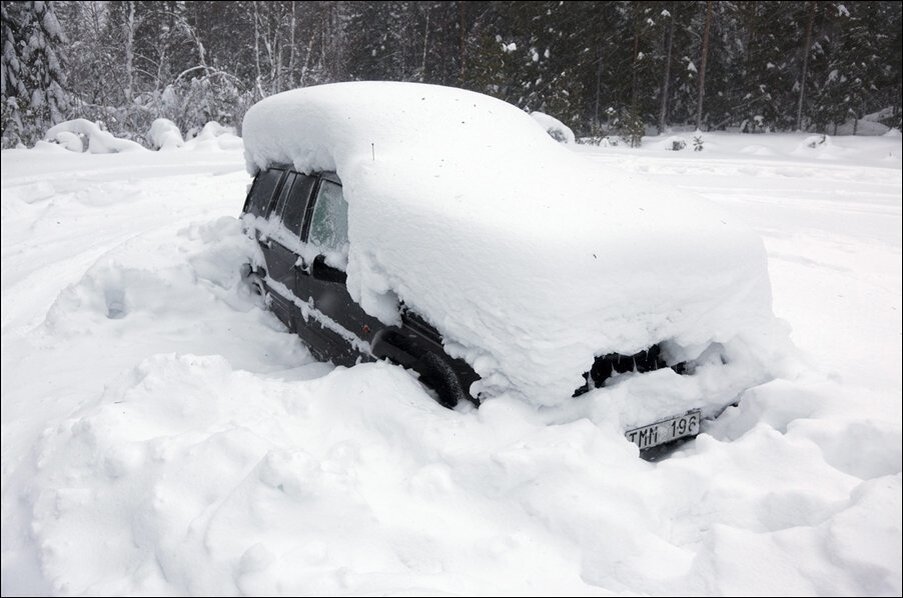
(163, 435)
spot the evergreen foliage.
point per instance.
(32, 72)
(610, 69)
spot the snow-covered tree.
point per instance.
(596, 65)
(33, 78)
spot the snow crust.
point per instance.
(528, 260)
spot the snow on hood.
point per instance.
(529, 259)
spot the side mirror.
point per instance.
(320, 270)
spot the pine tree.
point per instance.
(33, 80)
(807, 45)
(667, 51)
(595, 65)
(704, 55)
(863, 65)
(380, 47)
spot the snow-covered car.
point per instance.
(445, 231)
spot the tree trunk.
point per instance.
(806, 46)
(304, 67)
(597, 119)
(462, 42)
(291, 49)
(426, 41)
(635, 66)
(666, 79)
(130, 55)
(130, 66)
(702, 63)
(271, 45)
(258, 82)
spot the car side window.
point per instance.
(294, 201)
(283, 194)
(329, 222)
(262, 191)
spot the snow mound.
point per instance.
(556, 129)
(70, 141)
(214, 136)
(99, 141)
(529, 259)
(203, 478)
(674, 143)
(165, 135)
(820, 146)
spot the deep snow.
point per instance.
(162, 434)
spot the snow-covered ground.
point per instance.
(163, 435)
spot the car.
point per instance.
(309, 295)
(446, 232)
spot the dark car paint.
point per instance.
(323, 288)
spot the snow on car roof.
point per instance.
(527, 257)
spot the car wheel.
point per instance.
(438, 376)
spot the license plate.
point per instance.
(665, 430)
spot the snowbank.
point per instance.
(165, 135)
(556, 129)
(528, 260)
(99, 141)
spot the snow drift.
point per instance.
(99, 141)
(556, 129)
(529, 260)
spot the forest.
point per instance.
(601, 67)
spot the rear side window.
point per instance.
(293, 201)
(262, 192)
(329, 223)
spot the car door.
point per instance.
(346, 329)
(281, 245)
(262, 204)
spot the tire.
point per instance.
(436, 374)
